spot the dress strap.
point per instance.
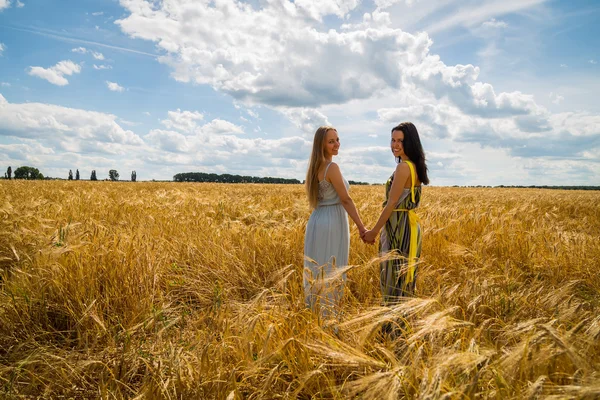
(326, 168)
(412, 180)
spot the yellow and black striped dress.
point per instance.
(402, 237)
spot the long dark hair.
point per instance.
(413, 149)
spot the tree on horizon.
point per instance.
(113, 175)
(29, 173)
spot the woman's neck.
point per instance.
(405, 158)
(328, 159)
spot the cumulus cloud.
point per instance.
(307, 119)
(318, 9)
(56, 74)
(493, 23)
(383, 4)
(102, 66)
(54, 137)
(82, 50)
(217, 147)
(62, 124)
(556, 98)
(289, 63)
(19, 4)
(219, 127)
(170, 141)
(23, 151)
(473, 12)
(4, 4)
(114, 87)
(293, 65)
(182, 120)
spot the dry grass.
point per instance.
(164, 290)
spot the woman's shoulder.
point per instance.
(333, 167)
(402, 167)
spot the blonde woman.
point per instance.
(327, 238)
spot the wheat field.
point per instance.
(177, 290)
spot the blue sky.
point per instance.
(503, 92)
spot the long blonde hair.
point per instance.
(317, 159)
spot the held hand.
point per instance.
(369, 237)
(361, 231)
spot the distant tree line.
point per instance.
(26, 172)
(227, 178)
(358, 183)
(582, 187)
(553, 187)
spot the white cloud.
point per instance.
(4, 4)
(493, 23)
(563, 65)
(62, 125)
(98, 56)
(306, 119)
(593, 62)
(318, 9)
(23, 151)
(2, 47)
(171, 141)
(146, 113)
(115, 87)
(82, 50)
(219, 127)
(54, 138)
(476, 12)
(20, 4)
(98, 13)
(216, 146)
(556, 98)
(383, 4)
(128, 123)
(56, 74)
(102, 66)
(4, 84)
(241, 52)
(185, 121)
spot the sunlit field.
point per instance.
(181, 290)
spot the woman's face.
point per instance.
(396, 143)
(332, 143)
